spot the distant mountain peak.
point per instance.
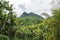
(24, 14)
(31, 14)
(31, 18)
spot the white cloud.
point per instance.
(36, 6)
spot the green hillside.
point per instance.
(30, 18)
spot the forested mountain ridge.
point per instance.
(30, 18)
(31, 14)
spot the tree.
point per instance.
(57, 22)
(7, 20)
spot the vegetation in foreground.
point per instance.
(28, 27)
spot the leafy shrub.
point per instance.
(4, 37)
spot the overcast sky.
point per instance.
(36, 6)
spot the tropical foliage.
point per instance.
(32, 27)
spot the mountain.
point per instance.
(30, 18)
(24, 14)
(31, 14)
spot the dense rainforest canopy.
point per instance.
(28, 26)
